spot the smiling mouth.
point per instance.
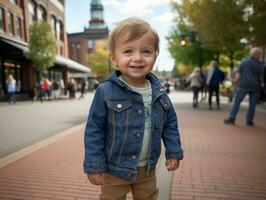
(137, 66)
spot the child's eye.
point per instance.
(147, 52)
(128, 51)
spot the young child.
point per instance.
(129, 116)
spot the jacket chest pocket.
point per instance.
(119, 111)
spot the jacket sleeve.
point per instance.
(94, 135)
(171, 136)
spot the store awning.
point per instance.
(71, 64)
(59, 60)
(11, 49)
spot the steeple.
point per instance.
(96, 21)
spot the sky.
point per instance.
(156, 12)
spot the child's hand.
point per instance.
(172, 164)
(96, 178)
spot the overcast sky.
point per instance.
(156, 12)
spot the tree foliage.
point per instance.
(225, 27)
(255, 13)
(193, 53)
(98, 61)
(42, 46)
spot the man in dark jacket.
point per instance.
(214, 77)
(249, 76)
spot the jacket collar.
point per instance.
(155, 82)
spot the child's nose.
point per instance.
(137, 56)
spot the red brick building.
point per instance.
(83, 43)
(16, 16)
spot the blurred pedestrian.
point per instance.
(130, 114)
(46, 87)
(167, 86)
(203, 87)
(72, 87)
(250, 79)
(55, 89)
(234, 81)
(82, 88)
(214, 77)
(11, 89)
(62, 87)
(195, 83)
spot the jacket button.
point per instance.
(119, 106)
(138, 135)
(133, 157)
(140, 111)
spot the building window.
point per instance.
(90, 44)
(61, 31)
(53, 24)
(10, 23)
(13, 1)
(1, 19)
(32, 12)
(78, 52)
(58, 29)
(72, 50)
(41, 13)
(18, 27)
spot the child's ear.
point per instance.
(112, 59)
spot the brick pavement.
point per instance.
(221, 162)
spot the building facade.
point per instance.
(82, 43)
(16, 17)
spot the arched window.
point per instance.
(53, 24)
(2, 19)
(41, 13)
(32, 11)
(18, 27)
(58, 29)
(61, 25)
(10, 23)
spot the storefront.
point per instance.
(13, 62)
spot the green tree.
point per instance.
(42, 46)
(193, 53)
(255, 14)
(220, 24)
(99, 62)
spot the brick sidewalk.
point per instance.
(221, 162)
(54, 172)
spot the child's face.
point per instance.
(135, 59)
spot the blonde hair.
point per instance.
(135, 28)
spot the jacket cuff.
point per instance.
(178, 156)
(94, 167)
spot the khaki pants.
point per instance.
(144, 188)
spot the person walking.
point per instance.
(82, 85)
(72, 87)
(214, 77)
(130, 114)
(249, 76)
(196, 82)
(11, 89)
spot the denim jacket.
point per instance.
(115, 127)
